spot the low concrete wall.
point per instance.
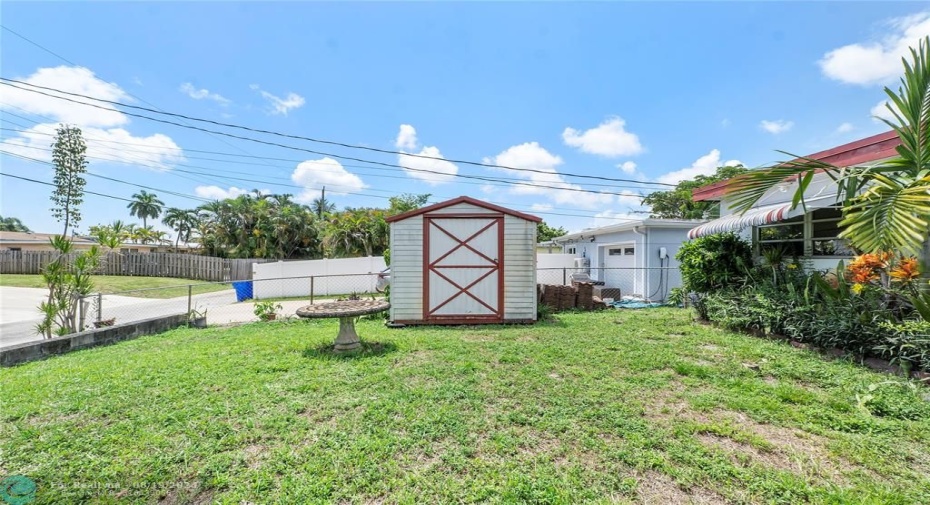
(41, 349)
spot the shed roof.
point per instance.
(463, 199)
(874, 148)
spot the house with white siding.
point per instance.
(463, 261)
(808, 232)
(635, 256)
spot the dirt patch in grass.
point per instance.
(253, 455)
(476, 337)
(777, 447)
(415, 358)
(659, 489)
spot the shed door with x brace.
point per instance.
(463, 268)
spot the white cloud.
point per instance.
(440, 171)
(406, 138)
(877, 62)
(104, 133)
(218, 193)
(115, 145)
(531, 155)
(627, 167)
(705, 165)
(488, 188)
(607, 139)
(73, 80)
(777, 126)
(280, 105)
(314, 174)
(725, 122)
(201, 94)
(845, 128)
(541, 207)
(880, 111)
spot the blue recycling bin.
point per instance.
(243, 290)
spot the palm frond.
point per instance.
(750, 187)
(893, 214)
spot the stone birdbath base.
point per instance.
(346, 310)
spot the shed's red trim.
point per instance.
(464, 199)
(874, 148)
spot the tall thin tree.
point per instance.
(68, 156)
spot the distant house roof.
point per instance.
(463, 199)
(685, 224)
(874, 148)
(20, 237)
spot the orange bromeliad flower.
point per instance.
(907, 270)
(861, 275)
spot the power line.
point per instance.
(62, 58)
(294, 186)
(50, 184)
(166, 191)
(309, 139)
(182, 195)
(505, 181)
(319, 153)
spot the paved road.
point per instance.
(18, 312)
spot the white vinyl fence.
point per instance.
(329, 277)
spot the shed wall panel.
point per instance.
(407, 269)
(519, 268)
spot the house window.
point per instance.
(571, 250)
(814, 234)
(825, 231)
(629, 251)
(615, 252)
(16, 249)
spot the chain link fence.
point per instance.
(653, 284)
(226, 302)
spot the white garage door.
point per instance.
(620, 264)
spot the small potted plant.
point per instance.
(197, 318)
(267, 311)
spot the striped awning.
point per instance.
(759, 216)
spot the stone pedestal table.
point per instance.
(346, 310)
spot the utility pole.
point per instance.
(319, 211)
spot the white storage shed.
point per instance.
(463, 261)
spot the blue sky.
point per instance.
(642, 91)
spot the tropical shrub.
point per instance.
(714, 262)
(907, 344)
(862, 308)
(709, 264)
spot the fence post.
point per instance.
(99, 306)
(311, 290)
(81, 314)
(564, 276)
(190, 292)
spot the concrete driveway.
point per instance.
(19, 312)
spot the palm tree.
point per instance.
(885, 207)
(182, 221)
(144, 206)
(321, 206)
(12, 224)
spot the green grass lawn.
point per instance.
(640, 406)
(108, 284)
